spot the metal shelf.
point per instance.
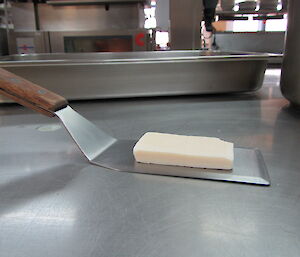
(252, 12)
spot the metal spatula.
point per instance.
(103, 150)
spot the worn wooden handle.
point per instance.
(29, 94)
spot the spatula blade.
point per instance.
(106, 151)
(249, 166)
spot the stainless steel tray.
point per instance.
(113, 75)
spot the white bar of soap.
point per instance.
(188, 151)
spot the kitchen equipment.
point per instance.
(136, 74)
(290, 76)
(79, 26)
(106, 151)
(185, 19)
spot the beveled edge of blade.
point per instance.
(265, 174)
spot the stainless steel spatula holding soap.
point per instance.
(154, 153)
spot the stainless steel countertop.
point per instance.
(54, 203)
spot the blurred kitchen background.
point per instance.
(57, 26)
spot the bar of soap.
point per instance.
(188, 151)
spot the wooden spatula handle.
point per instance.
(29, 94)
